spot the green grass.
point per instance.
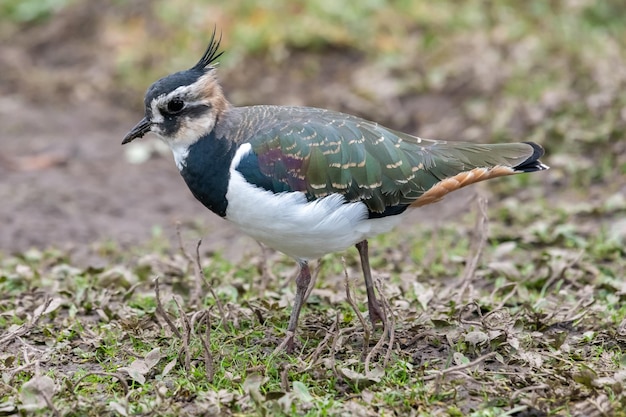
(550, 316)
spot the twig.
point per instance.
(390, 319)
(162, 311)
(366, 331)
(286, 344)
(314, 277)
(119, 377)
(316, 353)
(478, 311)
(186, 336)
(506, 297)
(386, 331)
(206, 343)
(194, 300)
(457, 368)
(14, 372)
(477, 245)
(27, 327)
(531, 388)
(201, 277)
(266, 274)
(417, 338)
(284, 377)
(333, 349)
(51, 406)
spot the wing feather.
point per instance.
(320, 152)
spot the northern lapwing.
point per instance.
(308, 181)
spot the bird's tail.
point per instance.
(479, 163)
(533, 163)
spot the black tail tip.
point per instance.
(532, 163)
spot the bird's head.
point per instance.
(184, 106)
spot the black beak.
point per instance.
(138, 131)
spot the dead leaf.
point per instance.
(36, 393)
(459, 359)
(506, 268)
(532, 358)
(424, 294)
(152, 358)
(503, 250)
(302, 392)
(359, 380)
(118, 408)
(140, 367)
(476, 337)
(8, 408)
(169, 367)
(43, 309)
(252, 386)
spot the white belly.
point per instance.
(301, 229)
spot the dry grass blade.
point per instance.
(206, 347)
(284, 377)
(314, 277)
(266, 273)
(506, 298)
(161, 311)
(366, 331)
(185, 336)
(477, 246)
(530, 388)
(27, 327)
(289, 335)
(194, 299)
(199, 276)
(386, 330)
(119, 377)
(312, 359)
(51, 406)
(389, 319)
(441, 374)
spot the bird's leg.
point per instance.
(302, 285)
(373, 305)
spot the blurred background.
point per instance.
(73, 74)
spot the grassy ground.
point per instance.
(515, 309)
(540, 327)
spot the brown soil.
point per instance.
(65, 180)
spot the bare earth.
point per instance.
(67, 183)
(65, 180)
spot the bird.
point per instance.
(308, 181)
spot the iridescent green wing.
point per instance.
(320, 152)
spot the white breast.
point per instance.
(289, 223)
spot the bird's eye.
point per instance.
(175, 106)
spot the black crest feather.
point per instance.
(210, 55)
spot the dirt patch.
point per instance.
(66, 181)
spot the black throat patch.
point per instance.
(206, 171)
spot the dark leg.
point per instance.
(302, 285)
(373, 305)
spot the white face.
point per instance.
(185, 114)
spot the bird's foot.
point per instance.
(287, 345)
(375, 312)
